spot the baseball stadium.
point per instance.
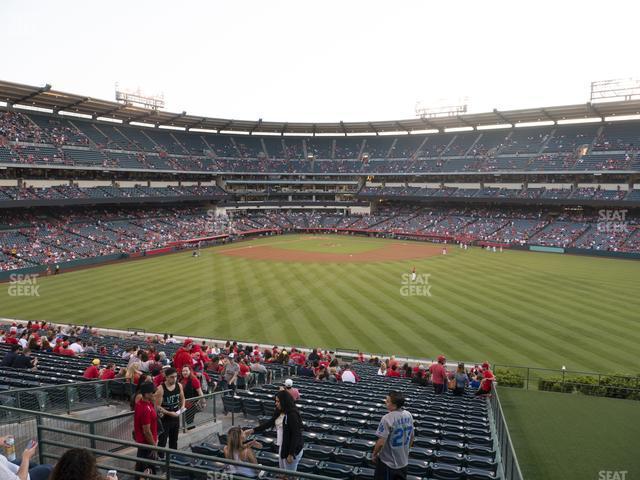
(455, 295)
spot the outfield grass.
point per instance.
(513, 307)
(572, 437)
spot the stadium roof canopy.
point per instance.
(47, 98)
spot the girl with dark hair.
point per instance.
(288, 424)
(77, 464)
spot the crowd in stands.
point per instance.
(39, 139)
(582, 193)
(51, 239)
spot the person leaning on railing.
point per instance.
(20, 469)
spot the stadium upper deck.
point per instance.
(29, 139)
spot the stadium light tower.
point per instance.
(139, 99)
(442, 108)
(615, 90)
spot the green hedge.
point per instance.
(509, 378)
(613, 386)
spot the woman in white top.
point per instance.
(382, 371)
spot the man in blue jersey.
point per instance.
(395, 438)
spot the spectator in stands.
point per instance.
(260, 371)
(382, 371)
(486, 384)
(461, 380)
(420, 376)
(145, 428)
(288, 424)
(192, 389)
(294, 392)
(66, 351)
(163, 360)
(93, 371)
(77, 347)
(439, 375)
(395, 439)
(171, 401)
(108, 373)
(182, 356)
(10, 356)
(239, 450)
(348, 375)
(11, 471)
(170, 339)
(231, 372)
(133, 374)
(306, 371)
(77, 464)
(393, 371)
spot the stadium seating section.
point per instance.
(35, 238)
(40, 139)
(453, 435)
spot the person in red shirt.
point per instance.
(145, 428)
(11, 339)
(393, 371)
(92, 372)
(66, 351)
(108, 373)
(58, 346)
(438, 375)
(486, 384)
(159, 379)
(192, 388)
(182, 357)
(486, 368)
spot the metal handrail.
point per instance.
(508, 457)
(167, 451)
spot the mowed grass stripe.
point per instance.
(510, 304)
(519, 306)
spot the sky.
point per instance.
(322, 60)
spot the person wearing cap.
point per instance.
(66, 351)
(439, 375)
(486, 384)
(182, 357)
(294, 392)
(145, 428)
(92, 372)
